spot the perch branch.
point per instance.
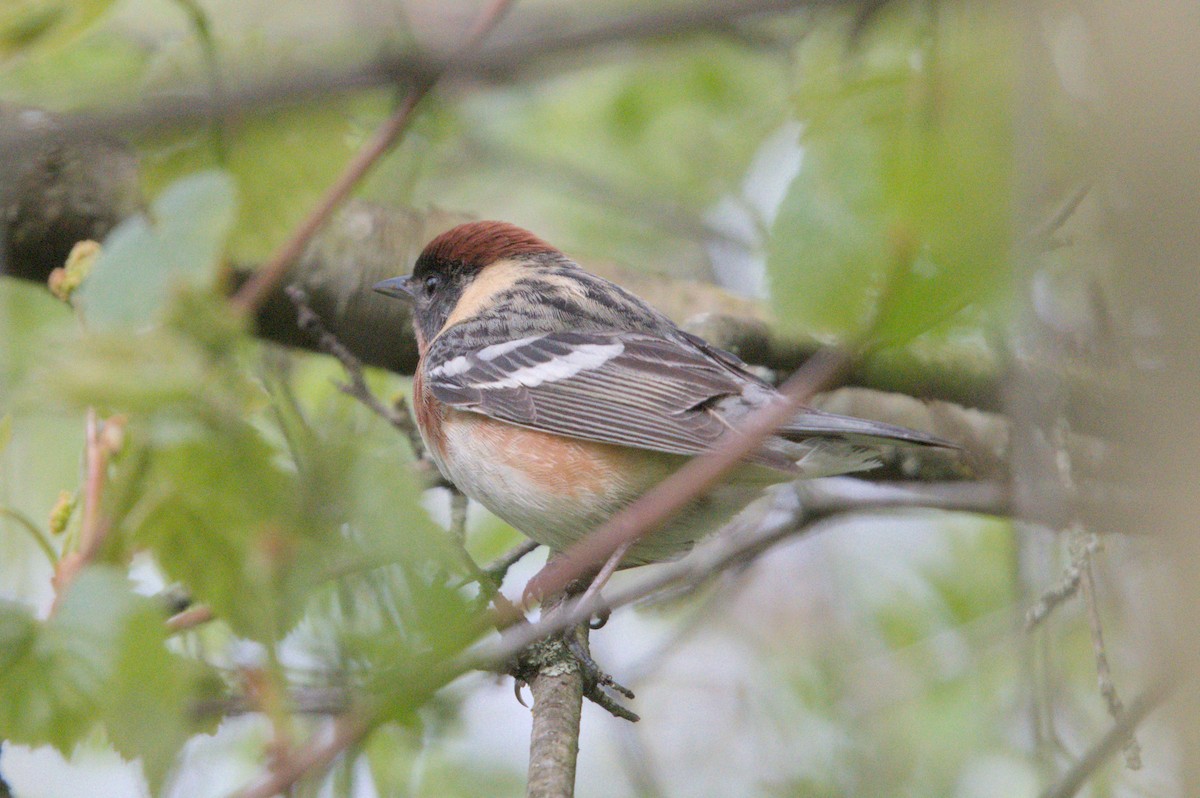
(812, 501)
(556, 682)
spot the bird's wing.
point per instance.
(624, 388)
(630, 389)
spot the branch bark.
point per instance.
(68, 188)
(556, 682)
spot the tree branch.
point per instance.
(503, 59)
(63, 180)
(1115, 739)
(657, 505)
(556, 681)
(791, 510)
(264, 281)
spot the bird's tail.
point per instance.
(815, 423)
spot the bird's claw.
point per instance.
(597, 683)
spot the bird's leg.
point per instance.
(596, 682)
(572, 644)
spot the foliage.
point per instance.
(899, 217)
(256, 512)
(100, 658)
(296, 516)
(176, 242)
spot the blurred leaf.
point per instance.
(6, 425)
(45, 24)
(145, 706)
(219, 515)
(131, 373)
(828, 251)
(101, 657)
(28, 314)
(900, 216)
(93, 66)
(54, 674)
(178, 243)
(282, 163)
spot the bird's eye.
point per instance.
(431, 283)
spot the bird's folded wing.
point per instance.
(630, 389)
(624, 388)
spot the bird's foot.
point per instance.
(598, 685)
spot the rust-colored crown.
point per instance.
(477, 244)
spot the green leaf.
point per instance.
(828, 252)
(5, 431)
(179, 242)
(54, 674)
(28, 316)
(145, 706)
(900, 215)
(282, 163)
(101, 658)
(128, 373)
(219, 514)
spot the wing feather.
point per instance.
(623, 388)
(632, 389)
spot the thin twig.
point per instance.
(818, 499)
(666, 498)
(458, 520)
(1043, 232)
(398, 415)
(190, 618)
(606, 572)
(255, 290)
(1067, 586)
(1108, 688)
(1073, 780)
(322, 748)
(501, 564)
(300, 700)
(103, 439)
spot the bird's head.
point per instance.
(461, 269)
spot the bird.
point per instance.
(554, 397)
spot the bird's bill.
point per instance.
(400, 287)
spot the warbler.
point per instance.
(554, 397)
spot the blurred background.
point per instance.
(999, 198)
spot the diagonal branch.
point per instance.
(1115, 739)
(668, 497)
(254, 292)
(792, 513)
